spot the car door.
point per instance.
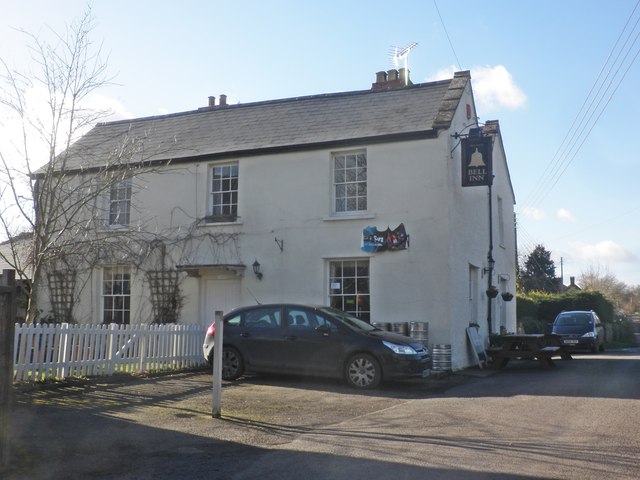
(599, 330)
(260, 336)
(309, 350)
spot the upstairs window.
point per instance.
(224, 192)
(120, 203)
(350, 182)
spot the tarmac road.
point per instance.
(576, 421)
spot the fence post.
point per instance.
(7, 328)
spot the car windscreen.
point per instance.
(574, 319)
(348, 320)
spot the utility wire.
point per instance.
(447, 34)
(588, 117)
(572, 151)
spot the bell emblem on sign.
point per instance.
(476, 159)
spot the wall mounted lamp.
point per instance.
(256, 269)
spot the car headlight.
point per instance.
(589, 335)
(399, 349)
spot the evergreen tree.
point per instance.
(539, 271)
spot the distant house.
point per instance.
(572, 285)
(16, 252)
(349, 199)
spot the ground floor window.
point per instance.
(116, 294)
(349, 287)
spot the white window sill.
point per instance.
(349, 216)
(220, 224)
(115, 228)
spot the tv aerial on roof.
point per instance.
(402, 54)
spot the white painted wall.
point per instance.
(289, 196)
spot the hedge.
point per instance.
(537, 311)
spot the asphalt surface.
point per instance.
(521, 422)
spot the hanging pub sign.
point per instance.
(477, 161)
(374, 240)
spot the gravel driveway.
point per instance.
(161, 426)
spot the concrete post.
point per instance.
(217, 365)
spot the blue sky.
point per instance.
(533, 65)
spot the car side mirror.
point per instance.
(323, 329)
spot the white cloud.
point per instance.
(493, 87)
(534, 213)
(607, 251)
(113, 108)
(442, 74)
(564, 214)
(38, 126)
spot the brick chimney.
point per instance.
(212, 103)
(391, 79)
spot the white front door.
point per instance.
(219, 295)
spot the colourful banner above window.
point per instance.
(477, 161)
(374, 240)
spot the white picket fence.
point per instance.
(44, 352)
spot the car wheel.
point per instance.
(363, 371)
(232, 363)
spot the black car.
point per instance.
(315, 340)
(580, 330)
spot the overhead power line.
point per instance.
(621, 58)
(447, 34)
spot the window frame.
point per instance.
(225, 209)
(118, 199)
(117, 274)
(347, 183)
(358, 297)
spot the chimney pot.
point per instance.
(212, 101)
(404, 76)
(223, 100)
(381, 77)
(392, 75)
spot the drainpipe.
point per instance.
(490, 261)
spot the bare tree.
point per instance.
(624, 297)
(57, 211)
(43, 208)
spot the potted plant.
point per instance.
(507, 296)
(492, 292)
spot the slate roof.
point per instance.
(288, 124)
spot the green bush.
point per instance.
(623, 332)
(536, 312)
